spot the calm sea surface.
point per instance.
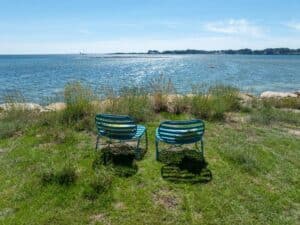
(41, 76)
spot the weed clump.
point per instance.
(215, 102)
(17, 117)
(65, 176)
(79, 108)
(100, 183)
(134, 102)
(266, 114)
(288, 102)
(160, 88)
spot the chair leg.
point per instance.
(137, 150)
(202, 149)
(157, 151)
(146, 136)
(97, 142)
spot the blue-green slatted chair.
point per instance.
(122, 128)
(179, 133)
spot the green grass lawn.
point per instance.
(255, 180)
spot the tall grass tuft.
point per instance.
(160, 88)
(134, 102)
(288, 102)
(266, 114)
(16, 118)
(79, 108)
(212, 104)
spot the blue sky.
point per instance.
(53, 26)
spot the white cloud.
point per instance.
(236, 27)
(294, 25)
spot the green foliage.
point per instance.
(252, 165)
(66, 176)
(181, 104)
(246, 159)
(266, 114)
(48, 177)
(58, 135)
(16, 120)
(159, 88)
(134, 102)
(214, 103)
(288, 102)
(100, 184)
(79, 110)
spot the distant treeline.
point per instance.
(246, 51)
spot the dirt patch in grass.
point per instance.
(3, 150)
(293, 132)
(6, 213)
(166, 199)
(46, 146)
(100, 218)
(119, 206)
(233, 117)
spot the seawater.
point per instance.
(39, 77)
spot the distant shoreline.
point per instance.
(245, 51)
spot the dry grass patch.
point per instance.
(166, 198)
(100, 218)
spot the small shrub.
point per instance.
(48, 177)
(134, 102)
(16, 120)
(246, 160)
(90, 194)
(78, 99)
(181, 104)
(58, 135)
(213, 103)
(267, 115)
(288, 102)
(228, 95)
(66, 176)
(100, 184)
(8, 129)
(160, 88)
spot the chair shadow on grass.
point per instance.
(184, 166)
(120, 157)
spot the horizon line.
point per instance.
(142, 52)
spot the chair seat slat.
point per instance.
(181, 127)
(113, 117)
(180, 131)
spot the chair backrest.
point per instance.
(116, 126)
(181, 132)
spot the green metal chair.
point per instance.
(179, 133)
(122, 128)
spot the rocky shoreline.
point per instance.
(57, 106)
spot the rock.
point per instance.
(245, 97)
(293, 132)
(273, 94)
(57, 106)
(20, 106)
(290, 110)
